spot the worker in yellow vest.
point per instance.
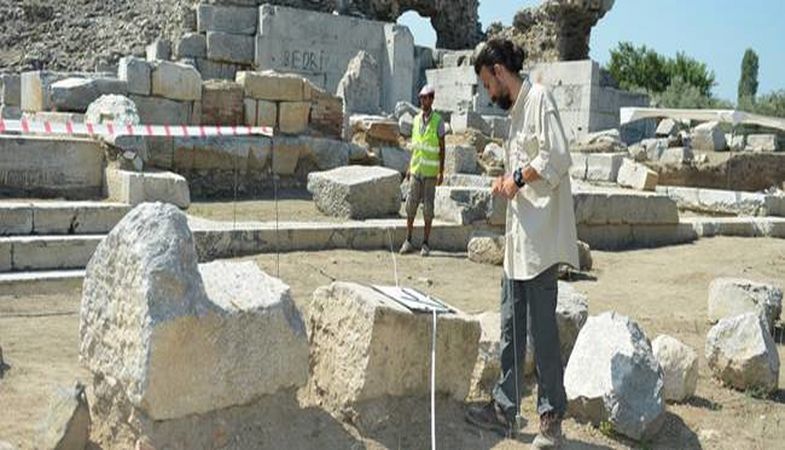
(426, 169)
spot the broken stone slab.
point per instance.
(115, 109)
(729, 297)
(637, 176)
(159, 50)
(736, 142)
(485, 248)
(613, 376)
(468, 205)
(677, 156)
(725, 202)
(227, 19)
(603, 166)
(36, 87)
(137, 73)
(648, 149)
(360, 86)
(230, 48)
(618, 206)
(462, 121)
(487, 368)
(191, 45)
(493, 155)
(67, 422)
(667, 127)
(366, 347)
(742, 354)
(133, 188)
(606, 141)
(10, 90)
(762, 142)
(356, 192)
(395, 158)
(273, 86)
(182, 339)
(222, 103)
(460, 159)
(402, 108)
(176, 81)
(377, 129)
(76, 94)
(293, 117)
(163, 111)
(679, 364)
(709, 137)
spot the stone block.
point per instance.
(214, 70)
(59, 117)
(613, 376)
(464, 180)
(272, 86)
(360, 87)
(191, 45)
(742, 354)
(677, 156)
(468, 205)
(35, 89)
(231, 48)
(10, 112)
(134, 188)
(250, 112)
(76, 94)
(116, 109)
(287, 152)
(709, 137)
(487, 249)
(729, 297)
(67, 422)
(56, 218)
(387, 352)
(637, 176)
(607, 207)
(226, 19)
(137, 73)
(182, 339)
(406, 124)
(6, 256)
(11, 90)
(679, 365)
(395, 158)
(52, 252)
(266, 113)
(487, 369)
(293, 117)
(762, 142)
(356, 192)
(222, 103)
(667, 127)
(162, 111)
(460, 159)
(499, 126)
(176, 81)
(15, 219)
(159, 50)
(603, 166)
(463, 121)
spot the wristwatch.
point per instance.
(517, 177)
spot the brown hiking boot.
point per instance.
(489, 417)
(550, 435)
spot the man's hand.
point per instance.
(496, 186)
(508, 188)
(440, 180)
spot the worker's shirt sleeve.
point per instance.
(553, 159)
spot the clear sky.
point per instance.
(713, 31)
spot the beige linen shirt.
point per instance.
(540, 219)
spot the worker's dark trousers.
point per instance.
(538, 298)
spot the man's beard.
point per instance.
(503, 101)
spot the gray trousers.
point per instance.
(536, 297)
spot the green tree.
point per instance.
(639, 67)
(772, 104)
(748, 83)
(692, 72)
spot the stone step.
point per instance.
(26, 253)
(21, 218)
(45, 282)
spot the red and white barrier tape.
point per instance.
(25, 126)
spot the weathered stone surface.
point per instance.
(273, 86)
(134, 188)
(356, 192)
(741, 353)
(585, 260)
(10, 89)
(736, 142)
(191, 45)
(231, 48)
(162, 111)
(603, 166)
(159, 50)
(406, 125)
(116, 109)
(176, 81)
(467, 205)
(227, 19)
(460, 159)
(606, 141)
(222, 103)
(729, 297)
(708, 136)
(676, 156)
(76, 94)
(137, 73)
(487, 249)
(464, 180)
(377, 129)
(679, 365)
(293, 117)
(718, 201)
(492, 159)
(10, 112)
(637, 176)
(613, 376)
(183, 339)
(487, 369)
(667, 127)
(67, 423)
(216, 70)
(462, 121)
(266, 113)
(499, 126)
(762, 143)
(386, 351)
(327, 154)
(360, 86)
(395, 158)
(605, 207)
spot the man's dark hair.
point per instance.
(499, 51)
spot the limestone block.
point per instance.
(365, 347)
(227, 19)
(215, 70)
(222, 103)
(231, 48)
(134, 188)
(585, 260)
(460, 159)
(493, 155)
(250, 112)
(737, 142)
(35, 89)
(679, 365)
(762, 142)
(10, 112)
(603, 166)
(191, 45)
(159, 50)
(266, 113)
(76, 94)
(176, 81)
(395, 158)
(360, 87)
(613, 376)
(55, 217)
(53, 252)
(603, 207)
(137, 73)
(487, 249)
(742, 354)
(667, 127)
(488, 367)
(464, 180)
(729, 297)
(293, 117)
(709, 137)
(116, 109)
(468, 205)
(287, 152)
(327, 154)
(273, 86)
(67, 422)
(15, 219)
(406, 124)
(356, 192)
(10, 89)
(637, 176)
(677, 156)
(182, 339)
(499, 126)
(58, 117)
(460, 122)
(162, 111)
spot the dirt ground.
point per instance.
(664, 289)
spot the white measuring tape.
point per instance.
(25, 126)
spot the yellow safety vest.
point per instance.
(425, 146)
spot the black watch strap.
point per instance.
(517, 177)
